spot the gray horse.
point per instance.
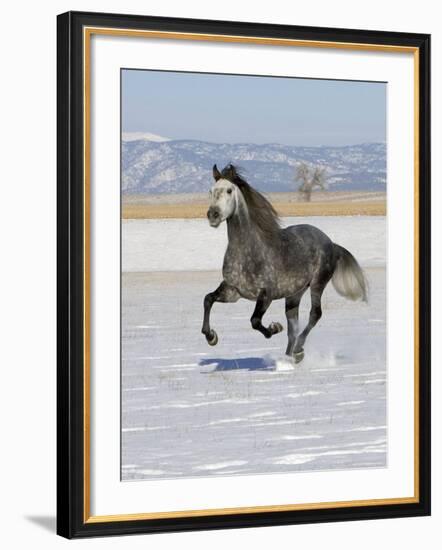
(264, 262)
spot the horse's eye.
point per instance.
(229, 191)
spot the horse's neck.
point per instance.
(242, 233)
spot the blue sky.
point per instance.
(247, 109)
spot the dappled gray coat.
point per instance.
(264, 262)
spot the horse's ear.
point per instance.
(229, 172)
(216, 173)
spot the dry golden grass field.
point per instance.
(338, 203)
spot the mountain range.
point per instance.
(154, 164)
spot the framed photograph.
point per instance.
(243, 274)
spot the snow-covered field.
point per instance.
(191, 245)
(242, 407)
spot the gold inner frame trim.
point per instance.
(87, 33)
(246, 40)
(253, 509)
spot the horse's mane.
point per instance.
(261, 212)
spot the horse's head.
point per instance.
(223, 199)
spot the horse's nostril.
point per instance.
(213, 214)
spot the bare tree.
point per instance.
(310, 178)
(319, 178)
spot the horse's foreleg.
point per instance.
(292, 314)
(315, 315)
(224, 293)
(262, 305)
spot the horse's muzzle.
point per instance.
(214, 216)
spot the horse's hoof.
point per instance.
(298, 356)
(275, 328)
(212, 338)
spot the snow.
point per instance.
(243, 407)
(143, 136)
(191, 245)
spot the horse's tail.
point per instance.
(348, 278)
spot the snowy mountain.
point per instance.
(142, 136)
(185, 166)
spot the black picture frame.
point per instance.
(71, 498)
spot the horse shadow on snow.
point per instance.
(238, 363)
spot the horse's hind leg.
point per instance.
(292, 314)
(262, 305)
(315, 315)
(224, 293)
